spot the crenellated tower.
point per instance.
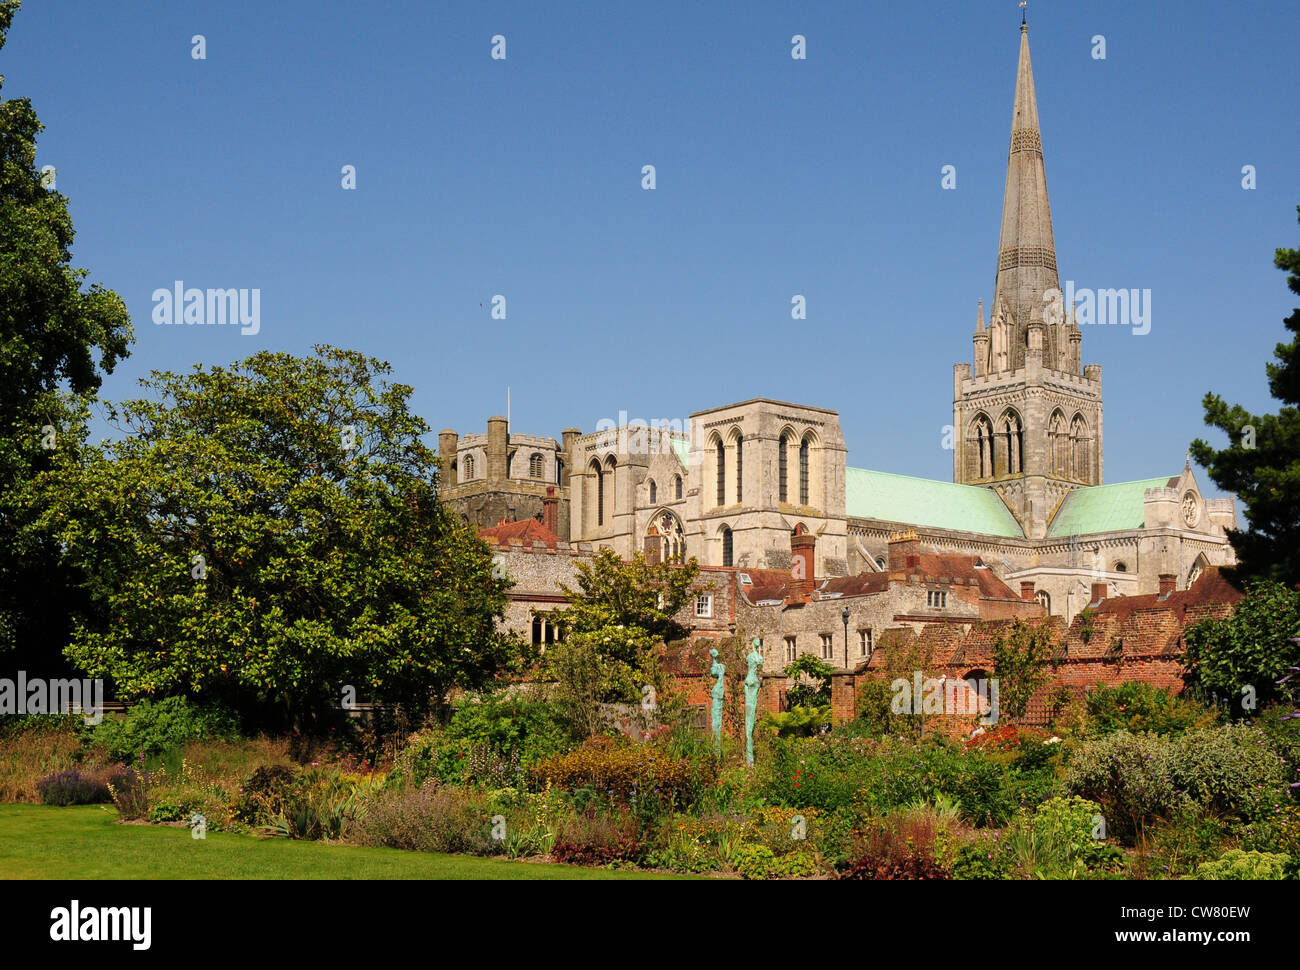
(1026, 411)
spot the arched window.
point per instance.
(1081, 466)
(1121, 567)
(469, 467)
(987, 450)
(677, 485)
(740, 469)
(1043, 597)
(600, 492)
(654, 492)
(610, 467)
(1058, 443)
(781, 463)
(728, 550)
(535, 466)
(803, 471)
(559, 471)
(1015, 438)
(720, 456)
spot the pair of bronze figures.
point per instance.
(754, 660)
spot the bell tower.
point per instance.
(1027, 413)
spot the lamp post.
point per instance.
(844, 615)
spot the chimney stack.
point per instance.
(803, 548)
(1168, 583)
(1026, 589)
(1098, 592)
(904, 551)
(550, 510)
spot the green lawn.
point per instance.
(86, 842)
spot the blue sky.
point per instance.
(775, 177)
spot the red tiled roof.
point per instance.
(1210, 587)
(527, 530)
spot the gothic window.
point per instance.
(720, 456)
(803, 470)
(654, 492)
(677, 486)
(535, 466)
(1057, 444)
(1015, 438)
(600, 492)
(610, 466)
(1044, 598)
(1121, 567)
(559, 471)
(985, 446)
(728, 550)
(781, 462)
(469, 467)
(667, 533)
(740, 469)
(1080, 466)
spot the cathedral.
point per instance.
(737, 486)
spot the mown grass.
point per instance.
(87, 842)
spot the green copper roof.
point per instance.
(921, 501)
(683, 449)
(1103, 508)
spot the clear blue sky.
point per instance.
(819, 177)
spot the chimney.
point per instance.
(904, 551)
(447, 444)
(1168, 582)
(551, 510)
(1026, 589)
(803, 548)
(1098, 592)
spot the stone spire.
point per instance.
(1026, 251)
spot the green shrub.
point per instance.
(1141, 778)
(799, 721)
(431, 818)
(150, 728)
(1137, 706)
(1177, 846)
(1240, 864)
(628, 772)
(518, 727)
(760, 862)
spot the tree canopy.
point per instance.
(1262, 461)
(269, 533)
(57, 341)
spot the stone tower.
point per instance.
(1027, 414)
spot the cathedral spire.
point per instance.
(1026, 250)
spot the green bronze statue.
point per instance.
(717, 670)
(752, 681)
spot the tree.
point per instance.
(1251, 649)
(1262, 461)
(269, 534)
(618, 617)
(816, 693)
(1021, 659)
(56, 343)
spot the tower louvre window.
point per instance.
(782, 494)
(803, 472)
(740, 470)
(728, 550)
(721, 457)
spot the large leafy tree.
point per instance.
(269, 534)
(1262, 461)
(57, 340)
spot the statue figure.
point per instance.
(717, 670)
(752, 681)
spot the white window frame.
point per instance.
(704, 606)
